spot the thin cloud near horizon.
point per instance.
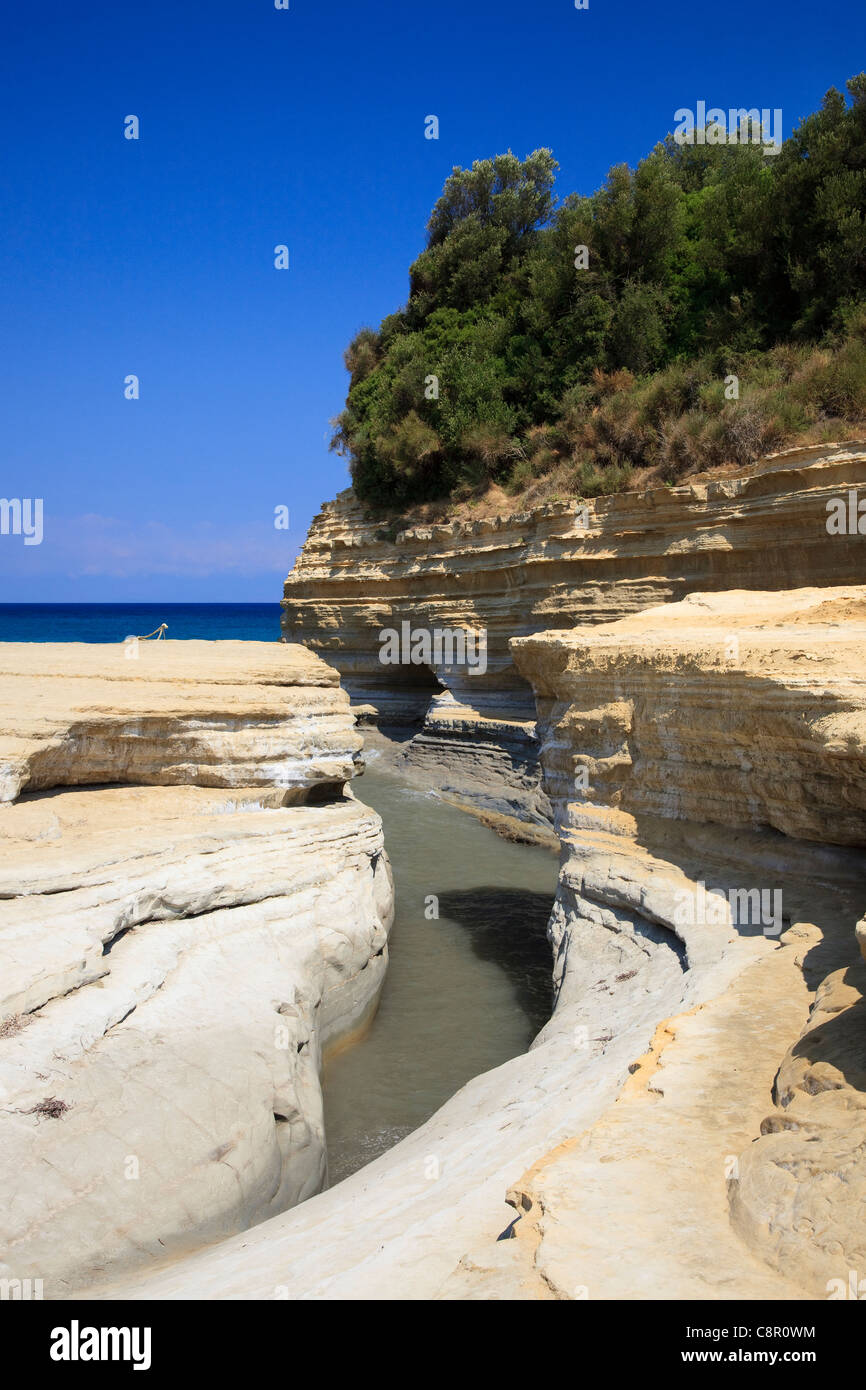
(93, 545)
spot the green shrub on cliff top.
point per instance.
(508, 362)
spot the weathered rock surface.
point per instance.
(764, 528)
(212, 714)
(621, 1136)
(746, 711)
(800, 1192)
(174, 959)
(655, 715)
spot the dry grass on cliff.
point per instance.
(560, 484)
(691, 420)
(621, 431)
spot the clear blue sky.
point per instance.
(304, 127)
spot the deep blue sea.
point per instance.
(112, 622)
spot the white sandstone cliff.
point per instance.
(174, 958)
(621, 1157)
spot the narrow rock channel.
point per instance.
(469, 982)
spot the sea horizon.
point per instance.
(113, 622)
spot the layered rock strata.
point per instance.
(560, 565)
(722, 739)
(211, 714)
(173, 958)
(702, 911)
(798, 1194)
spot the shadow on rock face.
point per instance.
(830, 1054)
(508, 926)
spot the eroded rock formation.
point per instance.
(798, 1196)
(558, 566)
(174, 713)
(173, 958)
(701, 904)
(690, 667)
(707, 763)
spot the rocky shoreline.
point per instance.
(628, 1154)
(561, 565)
(178, 947)
(678, 698)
